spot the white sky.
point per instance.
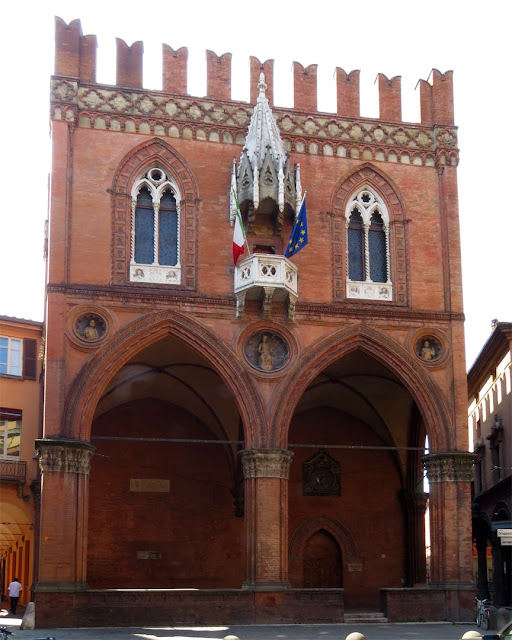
(395, 37)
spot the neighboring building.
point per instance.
(490, 425)
(249, 440)
(20, 425)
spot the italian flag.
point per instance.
(238, 234)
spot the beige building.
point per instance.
(490, 425)
(20, 410)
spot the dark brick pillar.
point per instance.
(266, 474)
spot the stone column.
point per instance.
(65, 466)
(266, 473)
(449, 475)
(414, 504)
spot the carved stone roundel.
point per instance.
(267, 351)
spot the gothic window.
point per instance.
(155, 229)
(368, 261)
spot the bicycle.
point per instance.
(5, 633)
(483, 613)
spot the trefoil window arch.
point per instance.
(155, 229)
(367, 247)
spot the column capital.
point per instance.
(266, 463)
(414, 500)
(65, 456)
(449, 466)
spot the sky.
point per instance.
(405, 38)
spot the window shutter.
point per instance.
(29, 358)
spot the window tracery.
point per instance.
(367, 247)
(155, 229)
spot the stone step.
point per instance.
(365, 617)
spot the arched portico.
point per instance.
(430, 401)
(66, 459)
(95, 375)
(405, 383)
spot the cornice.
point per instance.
(491, 353)
(156, 113)
(306, 311)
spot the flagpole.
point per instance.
(302, 201)
(241, 221)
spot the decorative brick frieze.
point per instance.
(143, 296)
(453, 466)
(65, 456)
(173, 116)
(266, 463)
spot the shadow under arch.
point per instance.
(428, 398)
(95, 374)
(307, 529)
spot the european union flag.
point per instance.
(299, 238)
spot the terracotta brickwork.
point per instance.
(197, 449)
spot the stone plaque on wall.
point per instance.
(150, 485)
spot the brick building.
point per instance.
(490, 423)
(249, 440)
(20, 420)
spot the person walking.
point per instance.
(14, 590)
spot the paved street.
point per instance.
(411, 631)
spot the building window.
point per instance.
(11, 351)
(368, 263)
(10, 434)
(18, 357)
(155, 229)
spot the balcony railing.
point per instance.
(267, 277)
(13, 471)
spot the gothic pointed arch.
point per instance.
(158, 155)
(428, 398)
(96, 373)
(307, 529)
(394, 287)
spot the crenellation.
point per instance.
(75, 58)
(267, 68)
(87, 65)
(347, 93)
(442, 90)
(305, 87)
(218, 75)
(174, 70)
(390, 98)
(426, 103)
(67, 47)
(129, 64)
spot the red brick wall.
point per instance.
(368, 508)
(193, 526)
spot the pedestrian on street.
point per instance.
(14, 590)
